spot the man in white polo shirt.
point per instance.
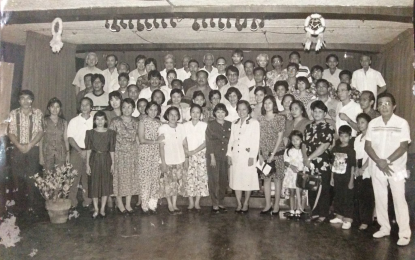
(387, 140)
(111, 74)
(347, 110)
(367, 78)
(76, 132)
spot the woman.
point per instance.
(242, 153)
(262, 60)
(143, 81)
(292, 70)
(125, 181)
(54, 146)
(318, 137)
(278, 73)
(300, 119)
(233, 95)
(271, 151)
(173, 159)
(286, 102)
(280, 89)
(259, 97)
(114, 102)
(149, 158)
(218, 132)
(214, 98)
(195, 179)
(302, 92)
(158, 97)
(176, 96)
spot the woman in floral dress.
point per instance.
(149, 157)
(271, 150)
(318, 136)
(125, 180)
(302, 93)
(195, 179)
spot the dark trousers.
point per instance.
(364, 200)
(217, 181)
(79, 164)
(24, 165)
(343, 201)
(323, 205)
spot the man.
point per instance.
(133, 93)
(387, 140)
(322, 91)
(123, 67)
(91, 61)
(221, 70)
(202, 85)
(82, 93)
(347, 110)
(259, 76)
(237, 58)
(25, 130)
(155, 78)
(303, 71)
(76, 132)
(123, 80)
(249, 80)
(192, 80)
(169, 64)
(208, 60)
(98, 96)
(184, 73)
(367, 78)
(111, 74)
(332, 73)
(233, 77)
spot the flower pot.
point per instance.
(58, 210)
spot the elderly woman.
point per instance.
(173, 159)
(302, 92)
(271, 150)
(242, 153)
(262, 60)
(300, 119)
(233, 95)
(318, 137)
(278, 73)
(125, 181)
(149, 158)
(217, 138)
(114, 108)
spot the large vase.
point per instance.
(58, 210)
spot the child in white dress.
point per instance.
(293, 160)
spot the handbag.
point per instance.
(307, 181)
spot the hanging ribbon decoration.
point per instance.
(56, 43)
(314, 25)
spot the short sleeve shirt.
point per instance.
(352, 109)
(195, 134)
(25, 127)
(359, 147)
(79, 77)
(344, 160)
(334, 78)
(386, 138)
(77, 128)
(173, 143)
(368, 81)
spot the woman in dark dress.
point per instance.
(218, 132)
(100, 147)
(318, 136)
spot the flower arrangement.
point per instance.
(55, 184)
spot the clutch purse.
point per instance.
(307, 181)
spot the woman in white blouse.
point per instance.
(195, 179)
(242, 155)
(233, 95)
(173, 159)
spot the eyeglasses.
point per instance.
(385, 104)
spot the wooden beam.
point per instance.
(400, 14)
(372, 48)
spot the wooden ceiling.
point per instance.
(361, 25)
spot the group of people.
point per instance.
(196, 131)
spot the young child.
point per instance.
(195, 179)
(363, 192)
(293, 160)
(237, 58)
(367, 102)
(100, 148)
(342, 178)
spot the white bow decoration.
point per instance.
(314, 25)
(56, 43)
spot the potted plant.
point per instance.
(54, 187)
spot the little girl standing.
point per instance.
(100, 146)
(293, 160)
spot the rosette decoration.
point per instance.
(56, 43)
(314, 25)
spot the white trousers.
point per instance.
(380, 188)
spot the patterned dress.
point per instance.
(273, 76)
(269, 130)
(149, 165)
(125, 179)
(295, 158)
(53, 148)
(306, 100)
